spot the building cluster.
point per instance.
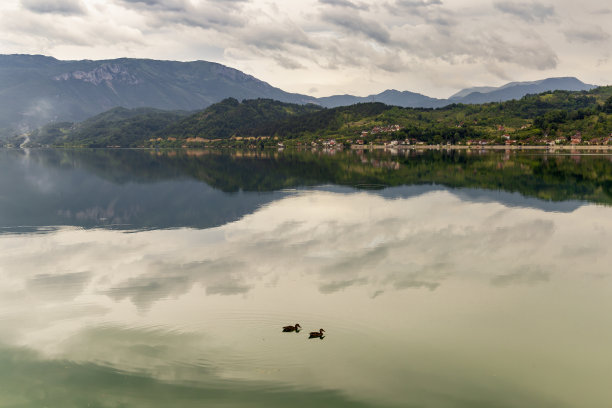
(381, 129)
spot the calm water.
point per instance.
(145, 279)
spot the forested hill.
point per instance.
(230, 117)
(121, 127)
(534, 119)
(116, 127)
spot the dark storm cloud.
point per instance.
(65, 7)
(526, 11)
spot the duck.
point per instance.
(316, 335)
(295, 328)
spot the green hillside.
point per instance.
(116, 127)
(533, 120)
(230, 118)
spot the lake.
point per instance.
(143, 278)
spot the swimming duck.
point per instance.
(295, 328)
(315, 335)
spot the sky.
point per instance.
(326, 47)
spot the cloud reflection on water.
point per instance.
(323, 254)
(338, 240)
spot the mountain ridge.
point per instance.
(475, 95)
(38, 89)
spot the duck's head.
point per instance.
(297, 326)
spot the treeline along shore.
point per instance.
(551, 119)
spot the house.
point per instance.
(576, 139)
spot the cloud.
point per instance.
(354, 24)
(527, 276)
(591, 34)
(337, 286)
(526, 11)
(418, 3)
(432, 11)
(601, 11)
(345, 3)
(208, 14)
(65, 7)
(168, 5)
(61, 286)
(166, 280)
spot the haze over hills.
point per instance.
(36, 90)
(404, 99)
(516, 90)
(512, 90)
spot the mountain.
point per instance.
(35, 89)
(476, 95)
(404, 99)
(516, 90)
(465, 92)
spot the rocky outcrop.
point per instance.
(105, 73)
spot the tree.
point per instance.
(607, 107)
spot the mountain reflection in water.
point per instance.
(430, 295)
(135, 189)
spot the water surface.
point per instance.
(143, 278)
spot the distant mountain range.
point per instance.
(477, 95)
(36, 90)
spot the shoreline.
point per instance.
(478, 147)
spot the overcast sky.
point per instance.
(324, 47)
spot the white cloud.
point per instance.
(534, 11)
(589, 34)
(336, 46)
